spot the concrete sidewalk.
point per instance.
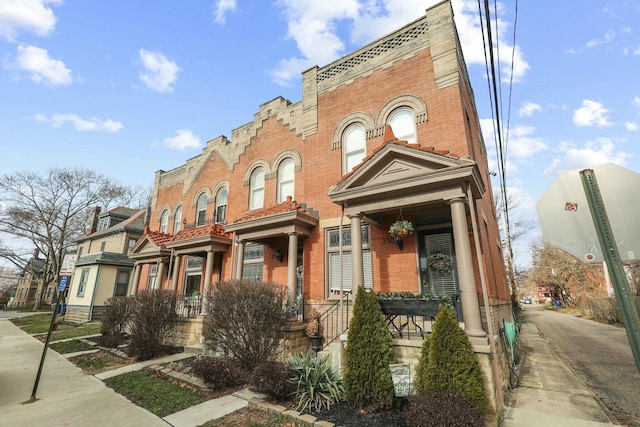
(549, 394)
(65, 396)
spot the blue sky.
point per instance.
(126, 88)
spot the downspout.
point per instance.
(487, 307)
(340, 305)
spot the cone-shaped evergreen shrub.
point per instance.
(367, 376)
(452, 365)
(420, 381)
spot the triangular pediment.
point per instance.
(401, 168)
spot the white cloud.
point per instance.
(184, 139)
(606, 38)
(222, 7)
(91, 125)
(31, 16)
(636, 101)
(519, 141)
(593, 153)
(592, 113)
(41, 68)
(158, 73)
(522, 144)
(528, 108)
(631, 126)
(317, 27)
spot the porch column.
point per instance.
(292, 260)
(240, 259)
(357, 266)
(208, 271)
(159, 276)
(176, 269)
(133, 289)
(464, 261)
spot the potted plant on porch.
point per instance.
(401, 228)
(314, 330)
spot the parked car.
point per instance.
(527, 300)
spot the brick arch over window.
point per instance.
(416, 103)
(257, 163)
(202, 190)
(293, 154)
(358, 116)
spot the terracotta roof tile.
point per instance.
(157, 238)
(286, 206)
(205, 230)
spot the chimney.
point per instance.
(94, 220)
(36, 253)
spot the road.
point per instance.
(599, 354)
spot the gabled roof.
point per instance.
(133, 222)
(288, 205)
(401, 171)
(206, 230)
(286, 217)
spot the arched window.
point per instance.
(286, 179)
(201, 209)
(177, 220)
(403, 124)
(354, 146)
(221, 205)
(256, 189)
(164, 221)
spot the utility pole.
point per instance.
(628, 310)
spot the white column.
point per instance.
(208, 271)
(133, 289)
(240, 260)
(176, 269)
(292, 261)
(357, 265)
(466, 275)
(159, 276)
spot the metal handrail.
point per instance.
(330, 320)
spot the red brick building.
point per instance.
(389, 131)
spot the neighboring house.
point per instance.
(28, 281)
(387, 132)
(103, 268)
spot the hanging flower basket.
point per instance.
(401, 228)
(440, 263)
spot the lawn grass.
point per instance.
(39, 324)
(156, 392)
(34, 324)
(64, 347)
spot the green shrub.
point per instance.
(219, 373)
(452, 365)
(369, 352)
(420, 381)
(245, 320)
(273, 379)
(115, 319)
(317, 383)
(153, 315)
(442, 409)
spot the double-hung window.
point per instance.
(84, 278)
(333, 259)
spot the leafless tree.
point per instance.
(50, 210)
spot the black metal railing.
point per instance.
(333, 317)
(189, 307)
